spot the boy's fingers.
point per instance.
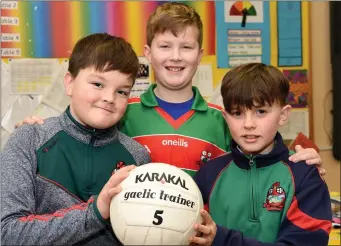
(207, 219)
(298, 148)
(198, 240)
(202, 228)
(306, 155)
(27, 120)
(19, 124)
(315, 161)
(322, 171)
(127, 168)
(35, 118)
(114, 191)
(119, 176)
(116, 179)
(31, 121)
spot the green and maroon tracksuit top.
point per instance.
(265, 200)
(197, 136)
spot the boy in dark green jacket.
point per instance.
(56, 178)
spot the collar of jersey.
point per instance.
(278, 153)
(92, 131)
(148, 99)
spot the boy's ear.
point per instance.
(68, 83)
(201, 53)
(224, 114)
(147, 53)
(284, 117)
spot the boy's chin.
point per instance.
(102, 125)
(251, 150)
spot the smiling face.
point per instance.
(175, 59)
(254, 97)
(254, 129)
(98, 99)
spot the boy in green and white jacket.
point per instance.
(57, 179)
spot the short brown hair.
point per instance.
(173, 17)
(247, 84)
(105, 53)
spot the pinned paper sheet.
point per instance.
(7, 100)
(24, 106)
(4, 137)
(139, 88)
(55, 96)
(143, 78)
(31, 76)
(203, 79)
(216, 96)
(298, 122)
(44, 111)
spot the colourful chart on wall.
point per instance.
(243, 9)
(49, 29)
(243, 32)
(289, 34)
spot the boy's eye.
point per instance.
(261, 111)
(96, 84)
(187, 47)
(236, 113)
(124, 93)
(164, 46)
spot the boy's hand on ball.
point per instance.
(110, 189)
(206, 231)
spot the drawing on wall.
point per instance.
(243, 12)
(243, 33)
(143, 79)
(299, 88)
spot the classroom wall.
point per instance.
(321, 86)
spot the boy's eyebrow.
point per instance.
(163, 41)
(262, 106)
(169, 42)
(127, 86)
(97, 76)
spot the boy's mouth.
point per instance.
(175, 69)
(250, 137)
(106, 109)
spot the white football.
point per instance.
(158, 205)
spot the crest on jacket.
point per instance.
(119, 165)
(205, 157)
(275, 198)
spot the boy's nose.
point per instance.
(249, 123)
(108, 98)
(176, 54)
(108, 101)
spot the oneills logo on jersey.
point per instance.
(161, 177)
(179, 142)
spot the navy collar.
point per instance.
(278, 153)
